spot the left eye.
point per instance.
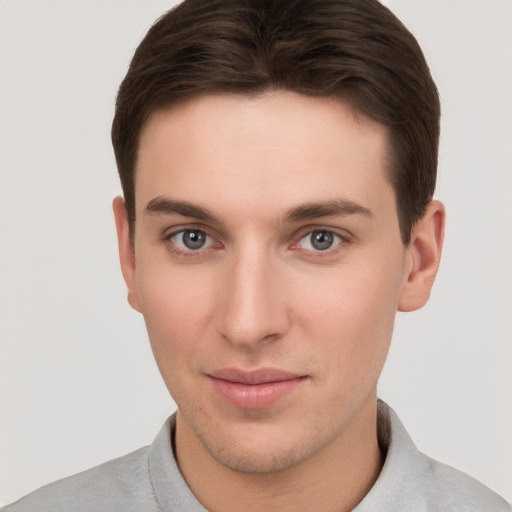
(191, 239)
(320, 240)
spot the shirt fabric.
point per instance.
(149, 480)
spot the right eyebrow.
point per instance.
(165, 205)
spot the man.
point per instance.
(278, 164)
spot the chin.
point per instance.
(259, 461)
(262, 450)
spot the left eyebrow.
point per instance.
(336, 207)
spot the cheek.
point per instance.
(352, 320)
(176, 309)
(352, 300)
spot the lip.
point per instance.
(255, 389)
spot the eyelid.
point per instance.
(345, 239)
(345, 236)
(170, 233)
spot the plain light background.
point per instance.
(78, 384)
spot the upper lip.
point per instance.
(259, 376)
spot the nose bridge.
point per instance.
(253, 309)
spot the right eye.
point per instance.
(188, 240)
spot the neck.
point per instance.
(335, 479)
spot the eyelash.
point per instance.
(189, 252)
(342, 241)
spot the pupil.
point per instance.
(194, 239)
(321, 240)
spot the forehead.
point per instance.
(265, 151)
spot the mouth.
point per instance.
(254, 389)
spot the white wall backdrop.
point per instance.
(78, 384)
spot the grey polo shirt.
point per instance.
(149, 480)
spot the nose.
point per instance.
(254, 309)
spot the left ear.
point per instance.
(424, 255)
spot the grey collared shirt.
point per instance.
(149, 480)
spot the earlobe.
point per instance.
(126, 251)
(424, 255)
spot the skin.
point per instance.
(259, 294)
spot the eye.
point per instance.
(191, 240)
(320, 240)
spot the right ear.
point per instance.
(126, 251)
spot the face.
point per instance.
(268, 266)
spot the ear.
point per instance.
(424, 255)
(126, 251)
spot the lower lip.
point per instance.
(254, 396)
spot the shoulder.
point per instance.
(451, 489)
(410, 480)
(120, 484)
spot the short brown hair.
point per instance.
(354, 50)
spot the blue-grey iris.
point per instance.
(193, 239)
(322, 240)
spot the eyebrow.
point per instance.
(184, 208)
(331, 208)
(306, 211)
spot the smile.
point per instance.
(254, 390)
